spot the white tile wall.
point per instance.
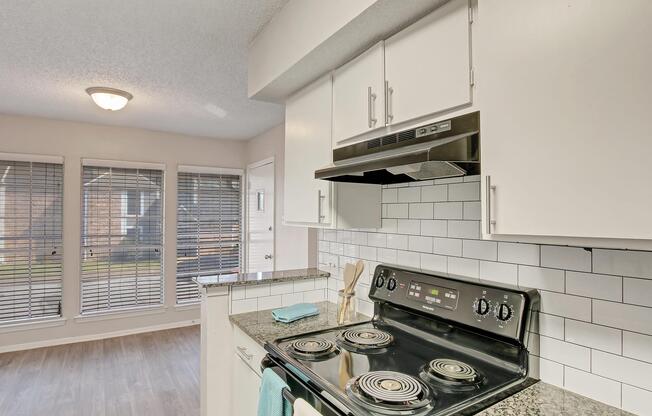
(637, 346)
(449, 210)
(596, 304)
(464, 229)
(550, 325)
(565, 353)
(599, 286)
(569, 258)
(540, 278)
(552, 372)
(526, 254)
(594, 336)
(590, 385)
(637, 401)
(638, 291)
(275, 295)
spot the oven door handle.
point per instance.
(287, 395)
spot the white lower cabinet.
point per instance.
(246, 373)
(246, 388)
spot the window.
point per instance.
(122, 240)
(209, 228)
(31, 197)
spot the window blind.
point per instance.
(31, 217)
(122, 238)
(209, 229)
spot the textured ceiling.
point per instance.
(184, 61)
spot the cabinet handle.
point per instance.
(371, 108)
(243, 351)
(490, 188)
(389, 91)
(320, 197)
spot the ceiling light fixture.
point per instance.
(109, 98)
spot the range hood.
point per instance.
(443, 149)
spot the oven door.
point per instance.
(302, 389)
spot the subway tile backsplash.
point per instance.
(595, 323)
(275, 295)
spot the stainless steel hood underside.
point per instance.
(444, 149)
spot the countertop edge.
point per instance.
(252, 279)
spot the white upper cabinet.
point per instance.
(308, 148)
(565, 95)
(313, 202)
(428, 65)
(359, 95)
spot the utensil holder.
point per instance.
(346, 307)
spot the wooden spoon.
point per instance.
(349, 289)
(359, 268)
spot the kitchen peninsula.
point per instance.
(217, 294)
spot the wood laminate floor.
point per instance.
(155, 374)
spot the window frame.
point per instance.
(46, 159)
(121, 164)
(210, 170)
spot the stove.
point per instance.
(437, 345)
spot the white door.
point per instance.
(359, 95)
(427, 65)
(307, 201)
(260, 217)
(565, 97)
(246, 386)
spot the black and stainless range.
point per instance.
(436, 345)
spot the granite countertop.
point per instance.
(542, 399)
(261, 327)
(240, 279)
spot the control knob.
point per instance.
(481, 306)
(504, 312)
(391, 284)
(380, 280)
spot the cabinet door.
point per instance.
(565, 95)
(427, 65)
(308, 148)
(246, 388)
(358, 95)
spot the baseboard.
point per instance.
(95, 337)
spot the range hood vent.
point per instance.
(444, 149)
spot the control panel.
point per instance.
(433, 295)
(490, 307)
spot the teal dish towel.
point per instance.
(295, 312)
(271, 401)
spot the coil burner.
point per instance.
(365, 339)
(389, 392)
(312, 349)
(452, 373)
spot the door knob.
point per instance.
(268, 256)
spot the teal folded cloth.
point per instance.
(295, 312)
(271, 401)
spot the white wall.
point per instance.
(596, 321)
(296, 247)
(74, 141)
